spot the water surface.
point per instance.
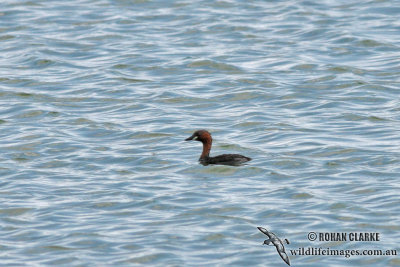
(96, 98)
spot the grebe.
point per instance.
(205, 159)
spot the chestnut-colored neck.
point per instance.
(206, 149)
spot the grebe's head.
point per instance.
(200, 135)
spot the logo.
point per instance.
(274, 240)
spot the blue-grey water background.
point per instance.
(98, 96)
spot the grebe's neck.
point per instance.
(206, 149)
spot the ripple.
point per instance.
(96, 100)
(214, 65)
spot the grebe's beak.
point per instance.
(190, 138)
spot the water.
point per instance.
(98, 96)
